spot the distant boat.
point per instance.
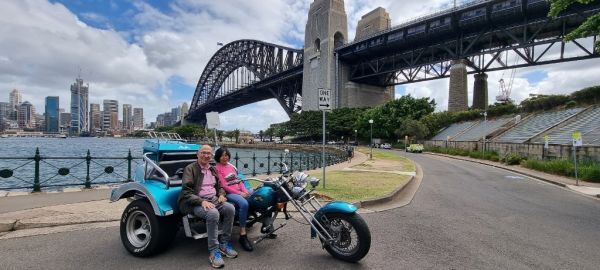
(3, 136)
(62, 136)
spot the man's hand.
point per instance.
(222, 199)
(207, 205)
(244, 194)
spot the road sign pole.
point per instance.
(323, 153)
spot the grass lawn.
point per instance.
(356, 185)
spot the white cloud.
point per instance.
(43, 46)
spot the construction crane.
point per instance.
(504, 96)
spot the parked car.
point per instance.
(415, 148)
(385, 146)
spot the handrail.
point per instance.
(157, 168)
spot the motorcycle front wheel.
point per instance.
(351, 237)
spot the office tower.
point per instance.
(26, 115)
(79, 107)
(109, 106)
(15, 99)
(138, 118)
(95, 117)
(51, 115)
(65, 122)
(184, 110)
(127, 115)
(4, 114)
(160, 120)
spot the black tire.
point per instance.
(348, 246)
(142, 232)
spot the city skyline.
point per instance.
(155, 57)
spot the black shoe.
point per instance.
(246, 244)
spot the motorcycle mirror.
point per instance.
(314, 182)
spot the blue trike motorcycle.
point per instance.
(151, 220)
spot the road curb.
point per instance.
(384, 199)
(392, 196)
(502, 167)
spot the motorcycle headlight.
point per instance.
(300, 179)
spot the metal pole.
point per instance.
(129, 158)
(323, 152)
(88, 159)
(371, 156)
(36, 179)
(215, 131)
(575, 158)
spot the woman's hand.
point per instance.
(244, 194)
(222, 199)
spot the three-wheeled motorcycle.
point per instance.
(152, 218)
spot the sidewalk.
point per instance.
(23, 212)
(587, 188)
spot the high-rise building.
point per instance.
(65, 122)
(95, 117)
(15, 99)
(184, 110)
(79, 107)
(138, 118)
(26, 115)
(4, 113)
(175, 113)
(52, 115)
(109, 106)
(127, 117)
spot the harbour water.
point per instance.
(63, 161)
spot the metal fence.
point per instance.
(51, 173)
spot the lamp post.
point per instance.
(485, 130)
(371, 123)
(355, 136)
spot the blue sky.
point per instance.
(150, 53)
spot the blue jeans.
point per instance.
(241, 206)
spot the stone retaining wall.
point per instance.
(530, 150)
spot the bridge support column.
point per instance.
(458, 95)
(480, 92)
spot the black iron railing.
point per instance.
(50, 173)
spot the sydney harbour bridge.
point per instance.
(474, 38)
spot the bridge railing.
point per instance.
(415, 20)
(48, 173)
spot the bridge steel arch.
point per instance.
(277, 68)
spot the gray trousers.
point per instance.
(211, 216)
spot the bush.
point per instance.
(587, 170)
(514, 159)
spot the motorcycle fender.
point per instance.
(333, 207)
(163, 201)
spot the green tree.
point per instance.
(414, 129)
(186, 131)
(236, 135)
(591, 26)
(269, 132)
(261, 134)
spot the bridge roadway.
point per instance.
(464, 216)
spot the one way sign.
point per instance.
(324, 99)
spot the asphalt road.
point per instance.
(464, 216)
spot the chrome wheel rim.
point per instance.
(138, 229)
(345, 238)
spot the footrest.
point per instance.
(187, 220)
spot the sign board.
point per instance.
(546, 139)
(577, 140)
(212, 120)
(324, 99)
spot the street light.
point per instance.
(485, 129)
(371, 123)
(355, 136)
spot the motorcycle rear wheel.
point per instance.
(352, 238)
